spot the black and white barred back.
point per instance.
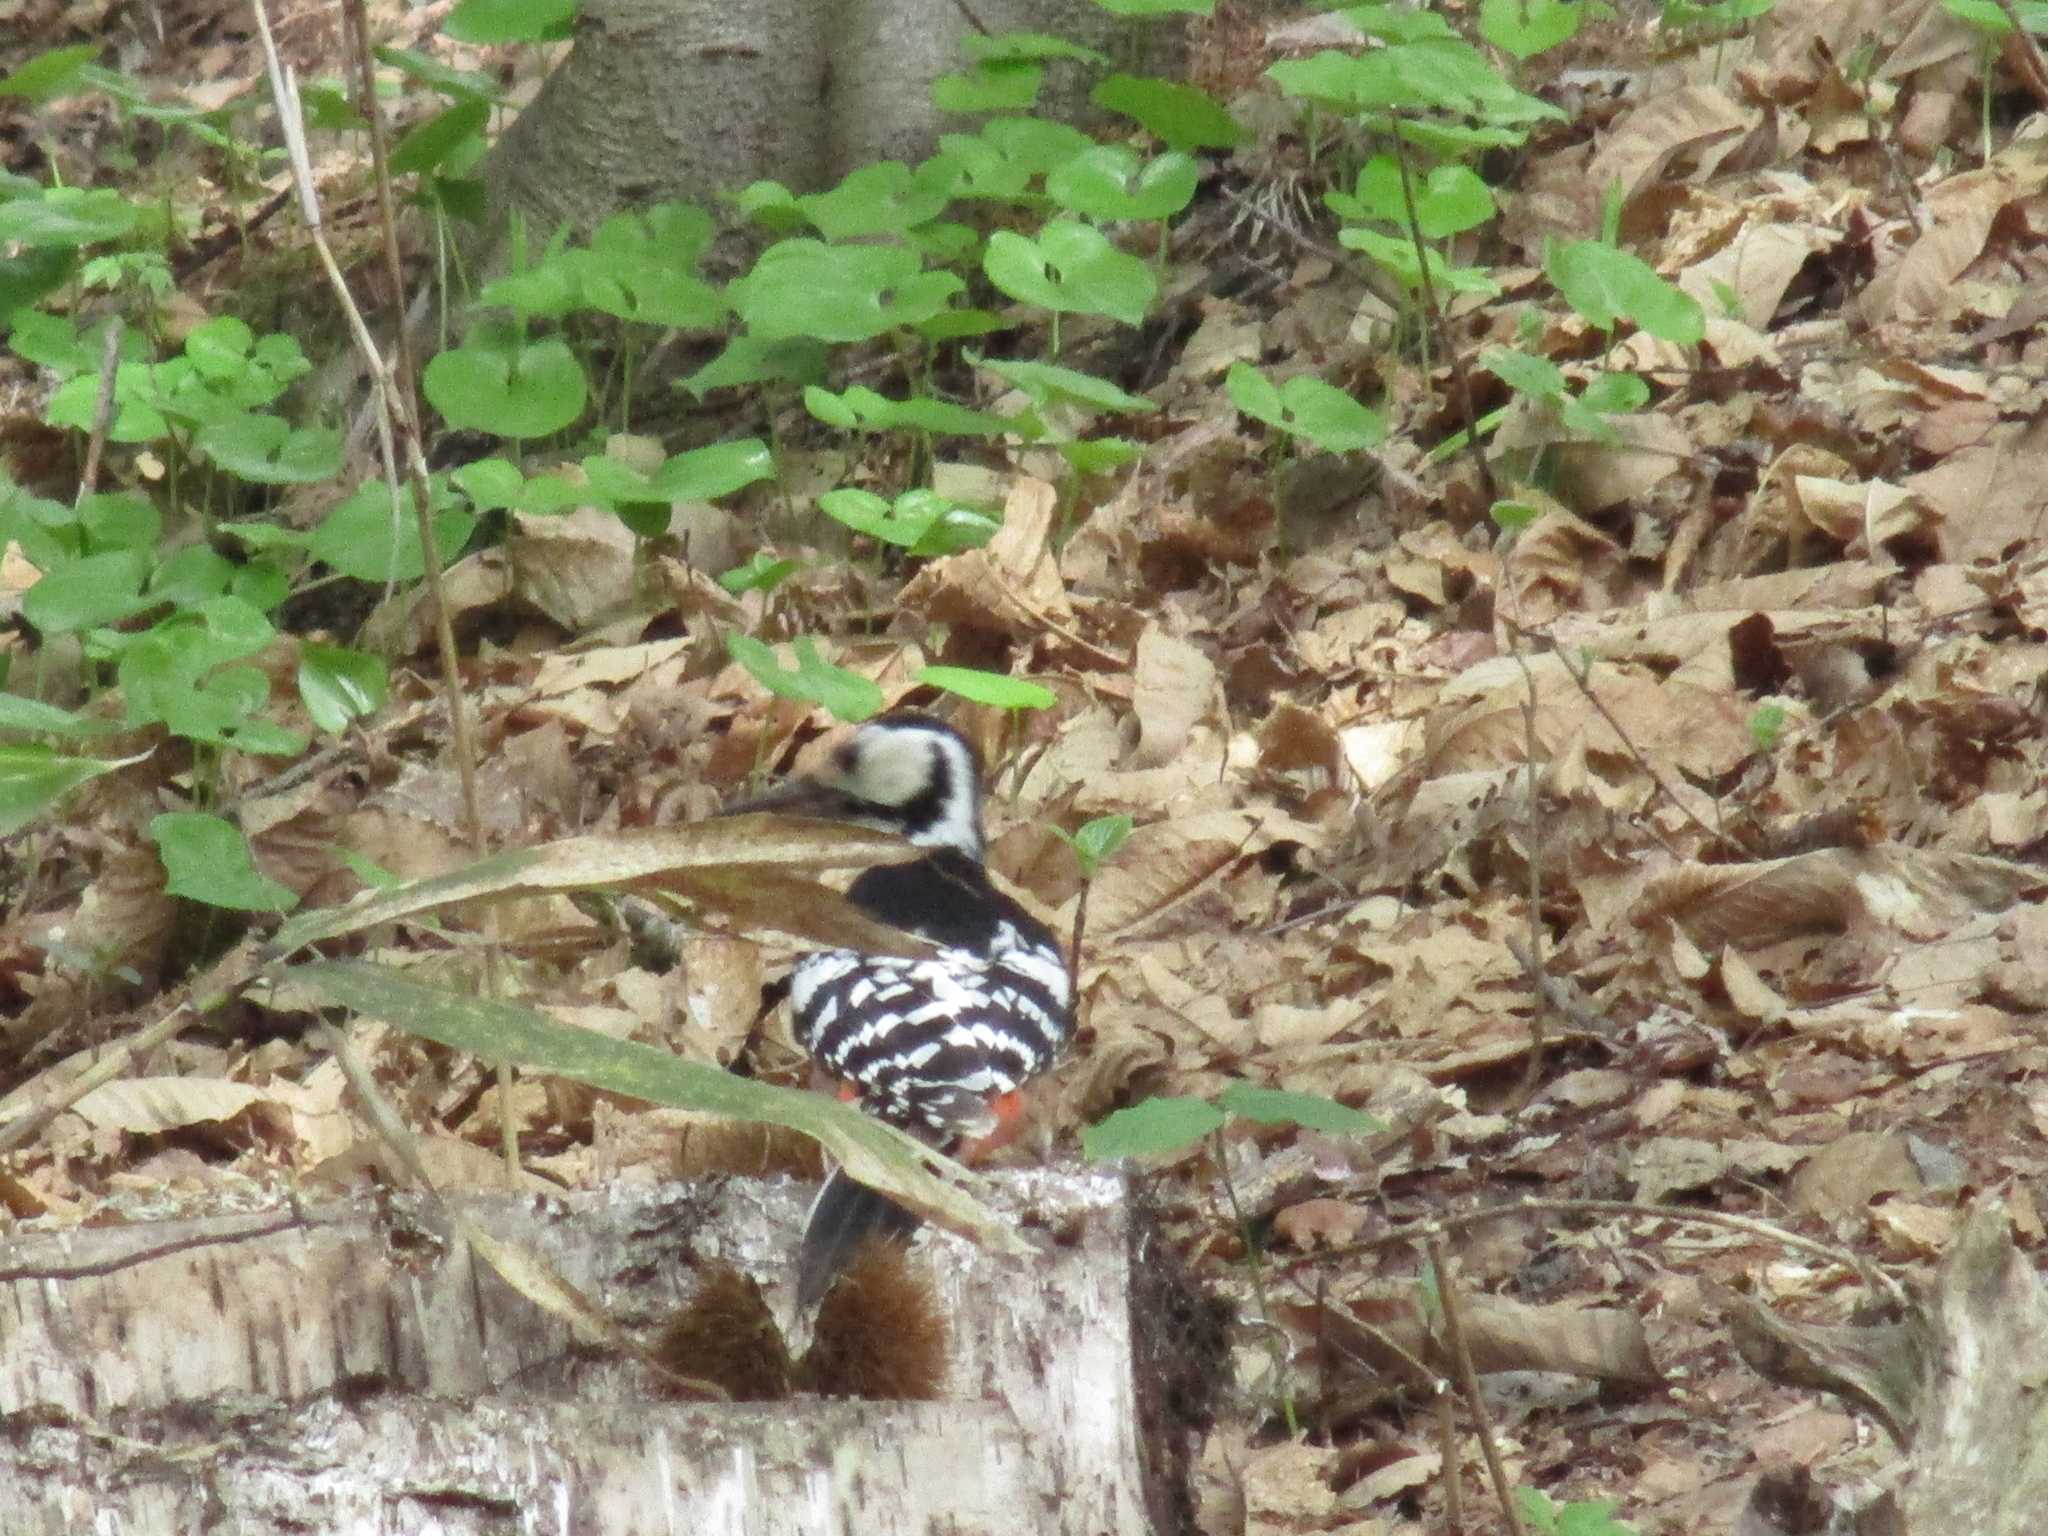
(930, 1043)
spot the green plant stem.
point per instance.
(1255, 1268)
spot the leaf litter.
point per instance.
(1805, 962)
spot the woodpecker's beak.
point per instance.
(800, 797)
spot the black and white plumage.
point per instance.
(939, 1045)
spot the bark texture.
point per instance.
(662, 100)
(353, 1367)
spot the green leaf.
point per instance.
(456, 84)
(33, 272)
(989, 87)
(1139, 8)
(362, 537)
(1001, 161)
(717, 469)
(1096, 841)
(32, 779)
(1525, 28)
(991, 688)
(1513, 516)
(270, 451)
(20, 714)
(489, 483)
(441, 139)
(1098, 455)
(497, 383)
(49, 74)
(1048, 382)
(1182, 117)
(763, 573)
(921, 521)
(1448, 201)
(1156, 1126)
(846, 695)
(1014, 47)
(1305, 407)
(753, 359)
(66, 216)
(1524, 372)
(486, 22)
(208, 860)
(1606, 285)
(839, 293)
(1112, 181)
(86, 593)
(191, 576)
(1072, 268)
(862, 409)
(1313, 1112)
(119, 520)
(340, 685)
(885, 198)
(1766, 725)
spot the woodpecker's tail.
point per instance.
(844, 1216)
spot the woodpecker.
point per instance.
(937, 1046)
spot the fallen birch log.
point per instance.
(355, 1368)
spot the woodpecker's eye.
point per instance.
(845, 758)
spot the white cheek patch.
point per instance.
(893, 767)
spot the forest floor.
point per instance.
(1775, 649)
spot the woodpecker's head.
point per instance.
(902, 772)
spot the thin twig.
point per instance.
(105, 1070)
(1418, 1231)
(1468, 1382)
(1583, 678)
(102, 408)
(1534, 963)
(1453, 358)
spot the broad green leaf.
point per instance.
(838, 293)
(497, 383)
(270, 451)
(441, 139)
(991, 86)
(1275, 1106)
(52, 73)
(1606, 285)
(20, 714)
(846, 695)
(32, 779)
(1182, 117)
(763, 573)
(66, 216)
(88, 592)
(208, 860)
(1071, 267)
(1112, 181)
(1150, 1129)
(1305, 407)
(1047, 382)
(486, 22)
(1011, 47)
(340, 685)
(991, 688)
(365, 539)
(1525, 28)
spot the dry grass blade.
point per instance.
(876, 1154)
(728, 854)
